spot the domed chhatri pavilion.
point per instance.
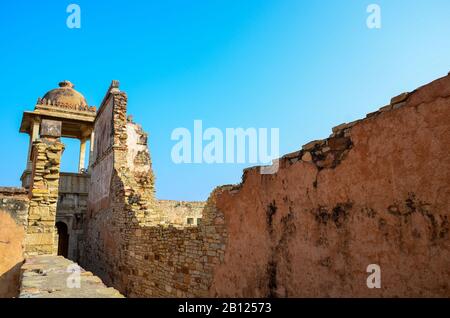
(62, 112)
(66, 95)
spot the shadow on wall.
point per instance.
(10, 281)
(11, 255)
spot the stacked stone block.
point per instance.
(41, 233)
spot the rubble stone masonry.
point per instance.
(377, 191)
(181, 213)
(128, 243)
(41, 238)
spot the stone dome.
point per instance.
(65, 95)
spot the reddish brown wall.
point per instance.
(13, 220)
(312, 231)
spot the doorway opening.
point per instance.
(63, 239)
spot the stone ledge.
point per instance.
(12, 191)
(49, 276)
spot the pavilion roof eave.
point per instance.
(81, 119)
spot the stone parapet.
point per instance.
(14, 201)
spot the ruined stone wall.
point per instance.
(181, 213)
(177, 262)
(127, 243)
(376, 192)
(102, 160)
(103, 225)
(13, 221)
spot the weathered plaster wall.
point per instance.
(13, 221)
(102, 162)
(102, 225)
(376, 192)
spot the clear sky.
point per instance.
(300, 66)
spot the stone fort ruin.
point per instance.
(377, 191)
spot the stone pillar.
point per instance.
(82, 154)
(40, 238)
(34, 135)
(91, 149)
(30, 145)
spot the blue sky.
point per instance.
(300, 66)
